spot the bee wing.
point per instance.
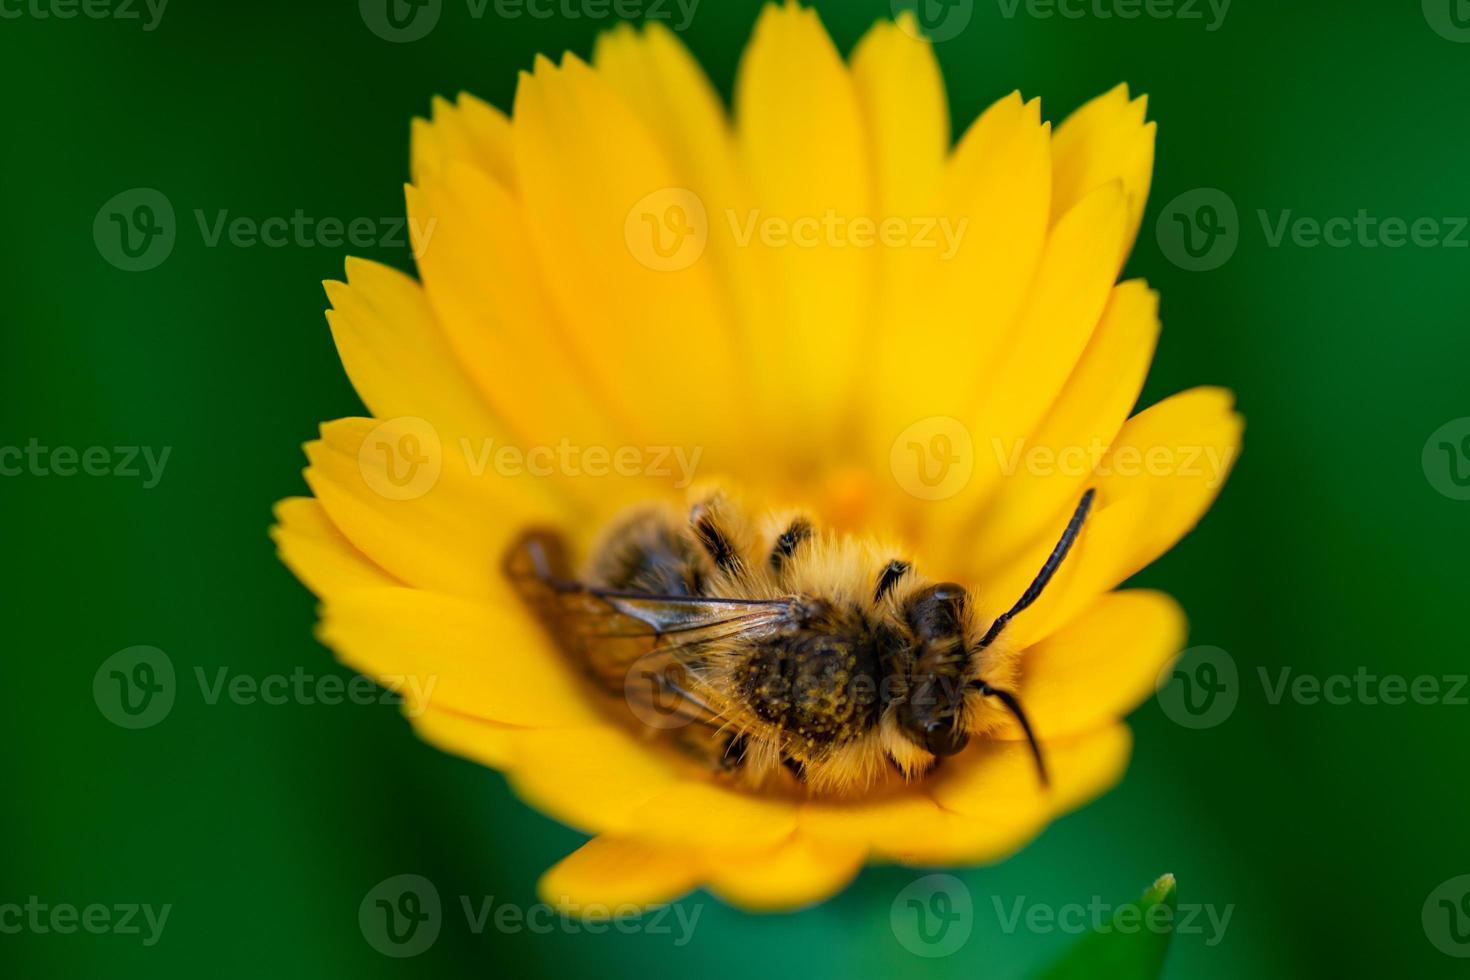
(615, 634)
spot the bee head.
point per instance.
(932, 712)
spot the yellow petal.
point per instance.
(796, 872)
(608, 872)
(1071, 289)
(472, 132)
(1100, 666)
(1042, 475)
(906, 117)
(1105, 140)
(883, 823)
(396, 354)
(590, 778)
(656, 338)
(989, 225)
(903, 103)
(409, 499)
(477, 659)
(998, 781)
(705, 815)
(1158, 479)
(487, 290)
(313, 548)
(471, 738)
(801, 139)
(659, 79)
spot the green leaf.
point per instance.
(1131, 947)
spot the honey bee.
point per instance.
(769, 652)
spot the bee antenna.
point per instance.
(1053, 562)
(1013, 705)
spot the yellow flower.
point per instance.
(821, 301)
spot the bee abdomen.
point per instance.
(819, 687)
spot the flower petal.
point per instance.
(1156, 482)
(470, 657)
(992, 204)
(702, 814)
(1044, 474)
(590, 778)
(796, 872)
(800, 134)
(471, 738)
(396, 354)
(312, 547)
(998, 782)
(657, 339)
(1067, 299)
(481, 276)
(446, 529)
(471, 132)
(1105, 140)
(1100, 666)
(607, 872)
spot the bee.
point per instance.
(768, 652)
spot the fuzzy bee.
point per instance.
(771, 652)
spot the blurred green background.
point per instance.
(1323, 828)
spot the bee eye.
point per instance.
(937, 611)
(945, 737)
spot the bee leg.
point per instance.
(786, 544)
(889, 577)
(717, 538)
